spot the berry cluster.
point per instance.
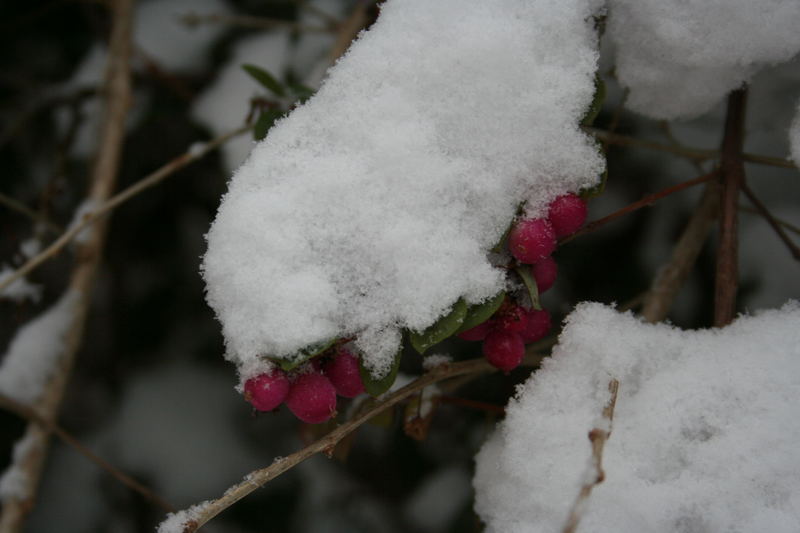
(531, 242)
(310, 395)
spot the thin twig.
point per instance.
(23, 209)
(695, 154)
(87, 260)
(598, 437)
(256, 479)
(249, 21)
(785, 224)
(672, 276)
(348, 30)
(30, 414)
(644, 202)
(120, 198)
(726, 280)
(776, 225)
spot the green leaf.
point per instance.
(301, 92)
(443, 328)
(265, 122)
(530, 284)
(480, 313)
(597, 102)
(265, 78)
(309, 352)
(376, 387)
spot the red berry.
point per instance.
(478, 333)
(567, 213)
(503, 349)
(532, 239)
(344, 375)
(511, 318)
(267, 391)
(545, 272)
(312, 398)
(538, 324)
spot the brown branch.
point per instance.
(732, 177)
(120, 198)
(117, 101)
(201, 514)
(348, 30)
(776, 225)
(644, 202)
(23, 209)
(598, 437)
(784, 224)
(672, 276)
(30, 414)
(694, 154)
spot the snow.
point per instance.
(14, 481)
(704, 434)
(32, 354)
(794, 137)
(84, 209)
(681, 58)
(20, 290)
(175, 522)
(370, 208)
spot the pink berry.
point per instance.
(267, 391)
(532, 239)
(538, 324)
(478, 333)
(567, 213)
(312, 398)
(344, 375)
(503, 349)
(545, 272)
(511, 318)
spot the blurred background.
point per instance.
(151, 392)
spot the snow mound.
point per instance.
(371, 208)
(704, 435)
(680, 58)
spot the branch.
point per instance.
(123, 196)
(598, 437)
(23, 209)
(732, 176)
(774, 222)
(644, 202)
(783, 223)
(672, 276)
(117, 101)
(694, 154)
(202, 513)
(30, 414)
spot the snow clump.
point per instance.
(704, 434)
(371, 208)
(680, 58)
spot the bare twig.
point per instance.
(672, 276)
(30, 414)
(348, 30)
(120, 198)
(732, 176)
(117, 101)
(776, 225)
(694, 154)
(644, 202)
(598, 437)
(23, 209)
(256, 479)
(784, 224)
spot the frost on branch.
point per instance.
(705, 429)
(681, 58)
(371, 208)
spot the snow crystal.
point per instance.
(28, 364)
(437, 359)
(21, 289)
(681, 58)
(371, 207)
(176, 522)
(794, 137)
(704, 435)
(86, 208)
(15, 480)
(30, 247)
